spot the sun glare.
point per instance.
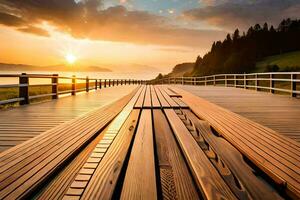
(70, 58)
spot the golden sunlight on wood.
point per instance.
(70, 58)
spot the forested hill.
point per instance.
(240, 52)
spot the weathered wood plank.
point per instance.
(147, 101)
(103, 182)
(180, 102)
(30, 121)
(140, 179)
(155, 101)
(140, 101)
(253, 140)
(20, 176)
(251, 183)
(175, 178)
(162, 100)
(206, 176)
(172, 103)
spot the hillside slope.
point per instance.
(285, 62)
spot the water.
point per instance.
(98, 75)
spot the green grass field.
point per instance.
(283, 61)
(10, 93)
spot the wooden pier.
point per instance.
(158, 142)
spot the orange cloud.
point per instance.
(88, 19)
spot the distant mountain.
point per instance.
(179, 70)
(61, 68)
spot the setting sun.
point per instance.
(70, 58)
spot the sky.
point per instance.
(126, 34)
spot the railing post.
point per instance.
(226, 83)
(121, 81)
(54, 81)
(104, 83)
(113, 82)
(100, 84)
(73, 85)
(205, 81)
(108, 82)
(214, 78)
(293, 85)
(271, 83)
(256, 82)
(235, 81)
(245, 81)
(96, 84)
(182, 81)
(87, 84)
(23, 90)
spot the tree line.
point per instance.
(239, 53)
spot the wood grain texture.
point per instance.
(162, 100)
(103, 182)
(276, 155)
(140, 180)
(140, 101)
(255, 186)
(278, 112)
(155, 101)
(175, 178)
(206, 176)
(147, 101)
(172, 103)
(24, 167)
(59, 184)
(25, 122)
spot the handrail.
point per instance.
(272, 82)
(24, 84)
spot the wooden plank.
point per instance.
(206, 176)
(172, 103)
(147, 101)
(57, 188)
(175, 178)
(155, 101)
(180, 102)
(162, 100)
(104, 179)
(171, 92)
(281, 113)
(250, 183)
(98, 152)
(23, 174)
(258, 143)
(140, 180)
(140, 101)
(38, 118)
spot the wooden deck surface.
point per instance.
(280, 113)
(158, 142)
(23, 123)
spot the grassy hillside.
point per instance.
(285, 62)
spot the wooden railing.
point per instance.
(277, 82)
(23, 94)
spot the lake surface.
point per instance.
(98, 75)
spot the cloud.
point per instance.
(244, 13)
(89, 19)
(34, 30)
(10, 20)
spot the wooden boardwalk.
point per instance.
(280, 113)
(25, 122)
(157, 142)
